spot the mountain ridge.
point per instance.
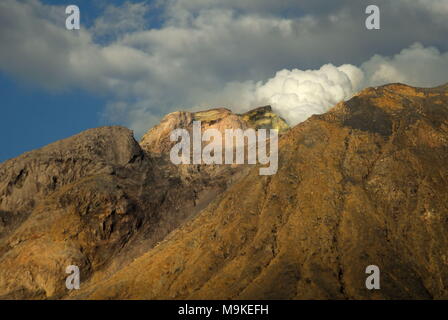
(365, 183)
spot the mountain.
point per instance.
(98, 200)
(364, 184)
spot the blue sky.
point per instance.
(134, 61)
(32, 118)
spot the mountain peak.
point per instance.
(156, 140)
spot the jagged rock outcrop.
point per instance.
(157, 140)
(364, 184)
(157, 143)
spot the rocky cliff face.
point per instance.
(157, 140)
(364, 184)
(78, 201)
(96, 200)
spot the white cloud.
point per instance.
(416, 65)
(437, 7)
(220, 53)
(118, 20)
(298, 94)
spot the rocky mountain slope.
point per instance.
(364, 184)
(96, 200)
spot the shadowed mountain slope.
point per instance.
(96, 200)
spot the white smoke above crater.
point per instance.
(296, 94)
